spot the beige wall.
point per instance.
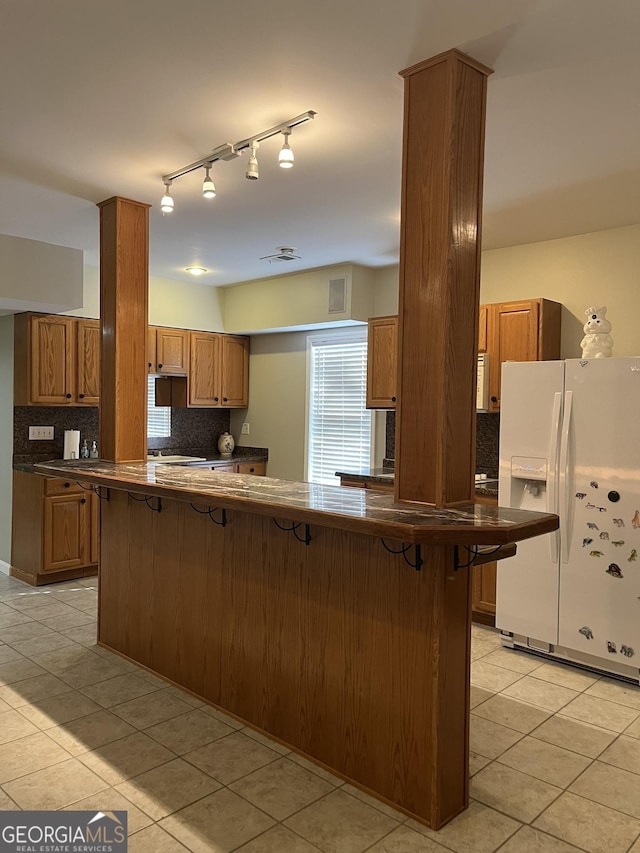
(175, 304)
(287, 302)
(596, 269)
(6, 438)
(37, 276)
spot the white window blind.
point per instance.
(339, 436)
(158, 417)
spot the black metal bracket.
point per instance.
(474, 551)
(294, 529)
(210, 511)
(96, 491)
(147, 499)
(404, 550)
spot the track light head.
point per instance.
(208, 188)
(253, 170)
(285, 157)
(166, 204)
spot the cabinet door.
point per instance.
(483, 593)
(204, 369)
(172, 352)
(382, 358)
(234, 374)
(94, 533)
(52, 360)
(151, 349)
(226, 467)
(88, 341)
(513, 337)
(66, 532)
(482, 329)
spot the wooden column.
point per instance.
(439, 279)
(124, 286)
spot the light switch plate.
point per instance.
(245, 429)
(40, 433)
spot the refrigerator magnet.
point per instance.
(627, 651)
(594, 484)
(618, 522)
(581, 495)
(614, 570)
(593, 526)
(604, 535)
(633, 556)
(586, 632)
(617, 542)
(635, 521)
(611, 648)
(596, 553)
(586, 542)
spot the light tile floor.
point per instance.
(555, 752)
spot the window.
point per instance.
(339, 425)
(158, 417)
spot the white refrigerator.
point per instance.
(570, 444)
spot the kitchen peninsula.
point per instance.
(299, 609)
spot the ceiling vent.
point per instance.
(283, 253)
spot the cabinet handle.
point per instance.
(68, 396)
(251, 470)
(83, 500)
(159, 367)
(215, 399)
(149, 364)
(224, 399)
(66, 485)
(494, 399)
(81, 396)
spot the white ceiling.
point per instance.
(103, 98)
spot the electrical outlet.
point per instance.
(245, 429)
(40, 433)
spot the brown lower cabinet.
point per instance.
(483, 583)
(55, 530)
(257, 468)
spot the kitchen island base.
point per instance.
(338, 648)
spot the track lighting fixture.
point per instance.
(253, 171)
(285, 157)
(232, 150)
(166, 205)
(208, 189)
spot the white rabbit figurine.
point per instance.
(597, 342)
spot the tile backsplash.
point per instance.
(487, 441)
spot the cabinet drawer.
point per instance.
(60, 486)
(257, 468)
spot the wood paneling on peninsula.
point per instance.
(439, 278)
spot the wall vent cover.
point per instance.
(337, 295)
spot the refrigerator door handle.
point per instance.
(552, 474)
(563, 476)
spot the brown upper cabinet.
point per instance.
(168, 351)
(382, 359)
(218, 375)
(56, 361)
(526, 330)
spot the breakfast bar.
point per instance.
(333, 619)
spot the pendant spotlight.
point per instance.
(230, 151)
(208, 188)
(166, 205)
(253, 172)
(285, 157)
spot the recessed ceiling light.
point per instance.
(196, 270)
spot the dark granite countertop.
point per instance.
(484, 488)
(357, 510)
(208, 459)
